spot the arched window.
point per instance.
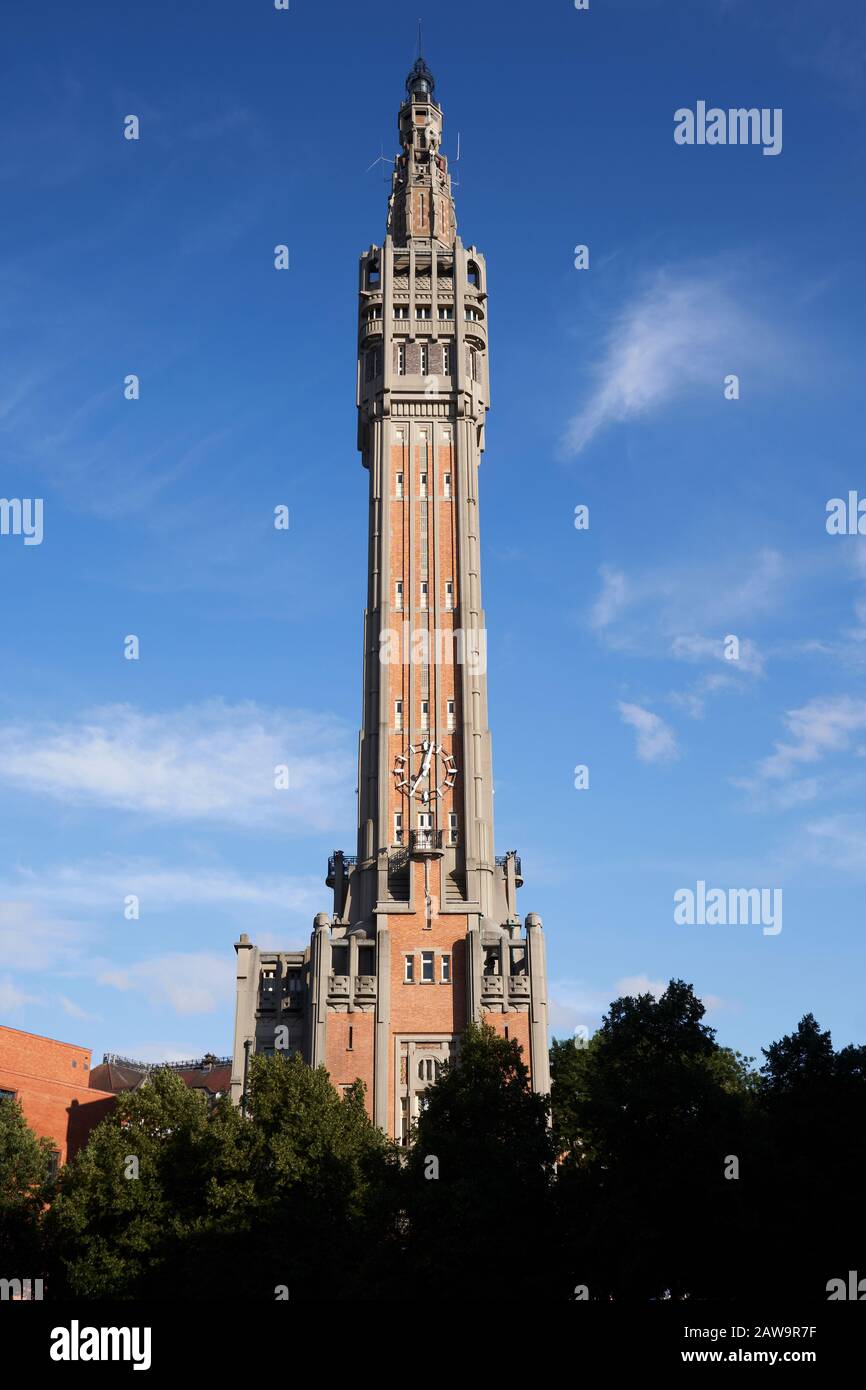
(473, 275)
(372, 275)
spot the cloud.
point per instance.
(187, 983)
(12, 998)
(31, 939)
(100, 884)
(207, 762)
(74, 1010)
(656, 742)
(822, 726)
(838, 842)
(682, 331)
(613, 599)
(685, 609)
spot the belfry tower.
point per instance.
(425, 932)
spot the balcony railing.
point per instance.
(425, 841)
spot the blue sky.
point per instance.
(707, 515)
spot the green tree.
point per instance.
(814, 1103)
(25, 1185)
(649, 1116)
(297, 1194)
(478, 1179)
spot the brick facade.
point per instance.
(51, 1079)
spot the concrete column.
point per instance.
(382, 1041)
(540, 1059)
(320, 965)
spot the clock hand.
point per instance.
(424, 769)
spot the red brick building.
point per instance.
(51, 1079)
(425, 931)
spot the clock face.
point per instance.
(425, 771)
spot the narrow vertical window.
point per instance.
(401, 359)
(449, 594)
(452, 722)
(446, 487)
(446, 970)
(408, 969)
(425, 715)
(351, 1037)
(427, 963)
(398, 485)
(398, 715)
(425, 359)
(424, 592)
(422, 485)
(446, 360)
(398, 827)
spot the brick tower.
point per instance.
(425, 932)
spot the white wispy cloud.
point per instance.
(823, 727)
(188, 983)
(97, 885)
(656, 742)
(683, 330)
(33, 939)
(11, 997)
(207, 762)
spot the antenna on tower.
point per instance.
(455, 183)
(381, 158)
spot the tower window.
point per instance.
(401, 359)
(472, 315)
(372, 275)
(473, 275)
(427, 963)
(422, 485)
(473, 364)
(409, 969)
(452, 819)
(351, 1038)
(424, 592)
(452, 724)
(398, 485)
(398, 715)
(425, 359)
(446, 969)
(398, 595)
(446, 360)
(446, 311)
(425, 715)
(374, 313)
(401, 311)
(398, 827)
(446, 487)
(449, 594)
